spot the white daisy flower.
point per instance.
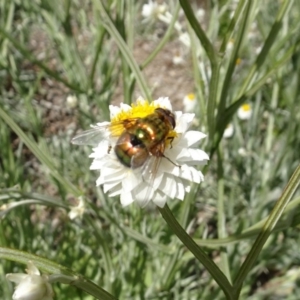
(31, 286)
(229, 131)
(72, 101)
(153, 10)
(230, 45)
(78, 210)
(189, 102)
(245, 112)
(200, 14)
(141, 169)
(242, 152)
(178, 58)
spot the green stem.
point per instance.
(230, 111)
(267, 230)
(214, 62)
(100, 36)
(271, 39)
(110, 27)
(232, 25)
(203, 258)
(234, 55)
(221, 214)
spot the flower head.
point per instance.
(245, 112)
(178, 58)
(78, 210)
(229, 131)
(31, 286)
(153, 10)
(189, 102)
(158, 169)
(72, 101)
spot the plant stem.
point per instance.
(203, 258)
(267, 230)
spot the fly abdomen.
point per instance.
(131, 151)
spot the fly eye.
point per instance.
(172, 120)
(167, 115)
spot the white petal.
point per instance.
(160, 198)
(17, 277)
(111, 175)
(158, 179)
(168, 186)
(114, 110)
(117, 190)
(182, 153)
(101, 150)
(32, 269)
(183, 121)
(100, 124)
(193, 156)
(164, 102)
(143, 193)
(140, 99)
(193, 137)
(167, 166)
(107, 186)
(126, 198)
(180, 190)
(191, 174)
(130, 181)
(97, 164)
(187, 188)
(125, 107)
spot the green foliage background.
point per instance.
(130, 252)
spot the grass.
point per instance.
(245, 52)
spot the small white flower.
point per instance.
(173, 173)
(200, 14)
(238, 61)
(258, 49)
(31, 286)
(78, 210)
(178, 58)
(72, 101)
(189, 102)
(185, 39)
(242, 152)
(230, 45)
(245, 112)
(229, 131)
(153, 10)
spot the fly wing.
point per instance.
(94, 136)
(149, 174)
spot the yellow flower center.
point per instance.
(191, 96)
(246, 107)
(238, 61)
